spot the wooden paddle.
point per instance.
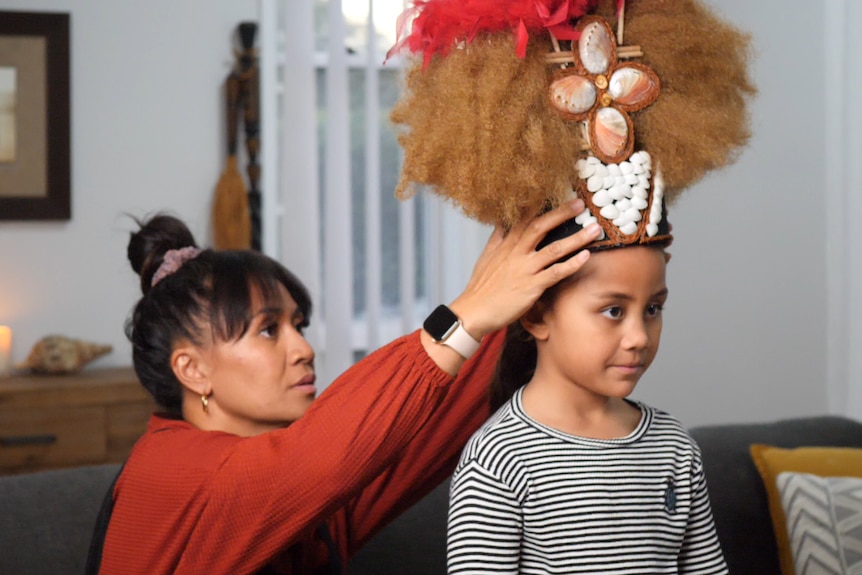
(230, 213)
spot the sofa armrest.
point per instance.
(738, 497)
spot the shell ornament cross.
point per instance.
(614, 181)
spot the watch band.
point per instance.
(462, 342)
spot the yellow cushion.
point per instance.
(820, 461)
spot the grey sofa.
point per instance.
(46, 518)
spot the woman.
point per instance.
(246, 471)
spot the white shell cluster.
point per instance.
(621, 192)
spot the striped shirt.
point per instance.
(527, 498)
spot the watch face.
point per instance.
(441, 323)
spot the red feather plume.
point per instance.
(439, 25)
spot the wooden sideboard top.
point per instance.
(87, 387)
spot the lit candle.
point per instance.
(5, 350)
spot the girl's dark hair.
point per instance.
(515, 367)
(209, 293)
(518, 357)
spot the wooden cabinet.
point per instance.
(47, 422)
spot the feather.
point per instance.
(440, 25)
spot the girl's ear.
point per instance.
(189, 366)
(534, 321)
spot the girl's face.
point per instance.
(601, 332)
(265, 379)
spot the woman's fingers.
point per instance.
(532, 231)
(511, 274)
(564, 247)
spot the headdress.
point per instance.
(518, 105)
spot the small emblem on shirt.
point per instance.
(670, 495)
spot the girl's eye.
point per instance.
(614, 312)
(655, 309)
(270, 329)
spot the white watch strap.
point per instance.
(462, 342)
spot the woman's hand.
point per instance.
(511, 275)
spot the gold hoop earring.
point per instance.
(205, 401)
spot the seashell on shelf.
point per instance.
(595, 47)
(631, 86)
(57, 354)
(573, 94)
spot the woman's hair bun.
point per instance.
(147, 246)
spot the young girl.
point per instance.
(570, 476)
(515, 105)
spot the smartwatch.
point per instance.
(445, 327)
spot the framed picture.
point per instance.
(35, 165)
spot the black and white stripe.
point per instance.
(529, 499)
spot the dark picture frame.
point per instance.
(36, 183)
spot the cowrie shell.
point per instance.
(602, 198)
(629, 228)
(619, 192)
(633, 214)
(610, 212)
(602, 170)
(585, 169)
(621, 221)
(639, 203)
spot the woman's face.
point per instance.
(265, 379)
(602, 330)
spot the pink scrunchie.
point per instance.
(174, 260)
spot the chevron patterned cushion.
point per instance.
(821, 461)
(824, 522)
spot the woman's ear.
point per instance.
(189, 367)
(534, 321)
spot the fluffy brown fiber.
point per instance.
(481, 134)
(700, 121)
(476, 125)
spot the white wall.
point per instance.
(147, 134)
(746, 328)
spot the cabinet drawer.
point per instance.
(32, 439)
